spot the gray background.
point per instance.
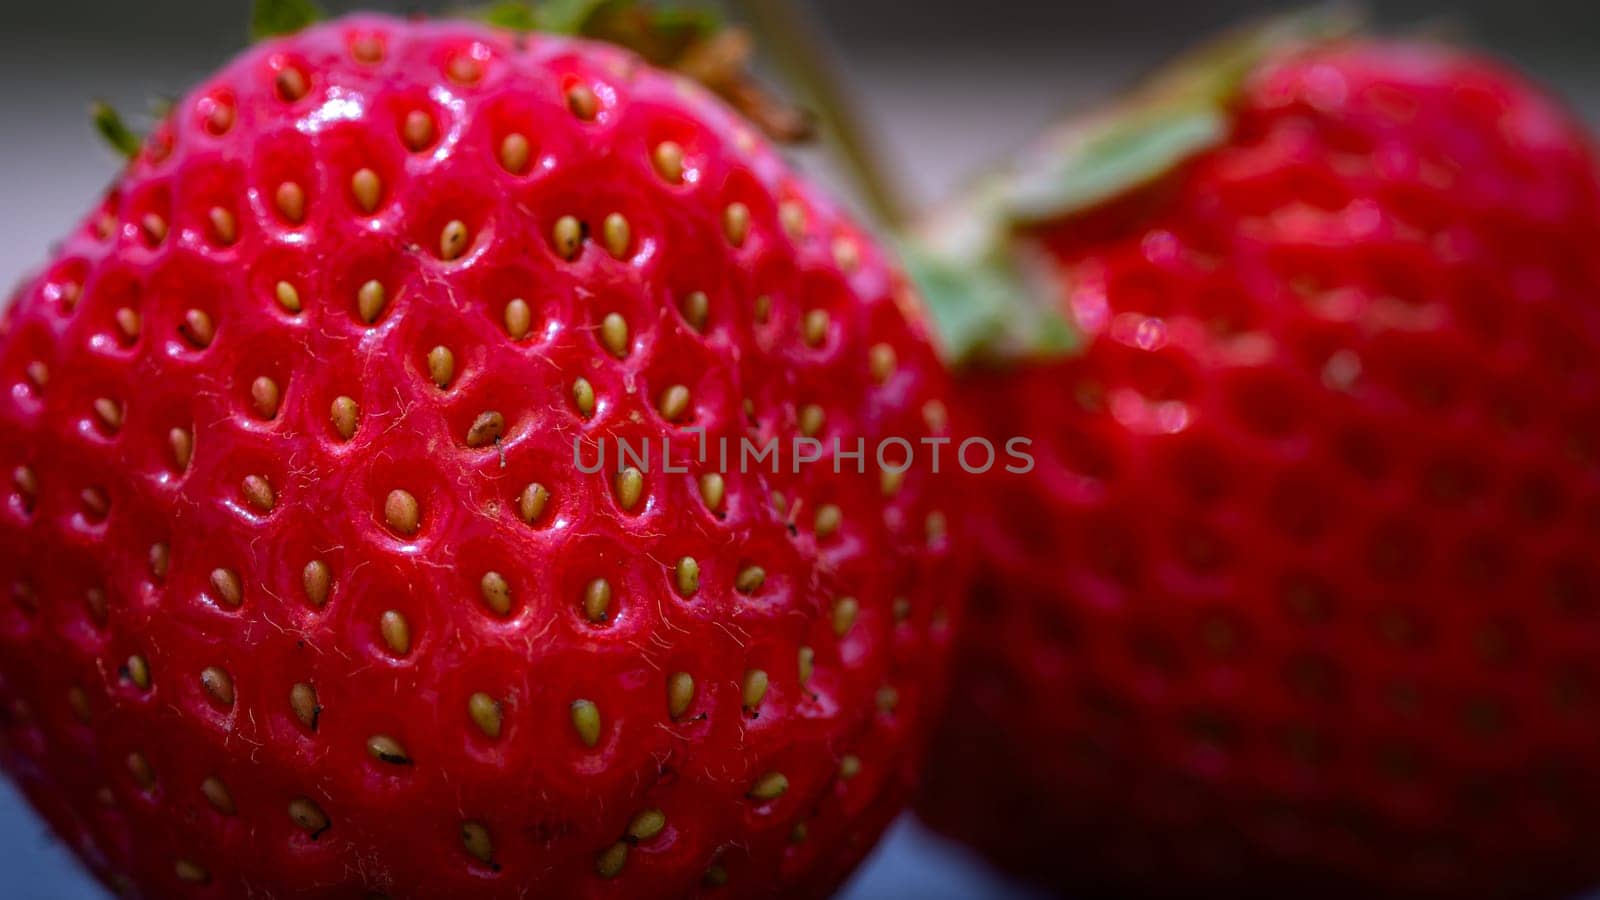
(949, 84)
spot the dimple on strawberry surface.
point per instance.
(1301, 598)
(310, 591)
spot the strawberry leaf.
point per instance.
(989, 308)
(691, 40)
(271, 18)
(990, 287)
(1178, 113)
(116, 133)
(690, 21)
(566, 16)
(601, 18)
(511, 15)
(1086, 168)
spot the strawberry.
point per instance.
(1302, 597)
(309, 588)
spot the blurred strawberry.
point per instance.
(305, 592)
(1303, 595)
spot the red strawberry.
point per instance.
(305, 593)
(1303, 596)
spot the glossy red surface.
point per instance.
(133, 565)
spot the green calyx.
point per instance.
(600, 18)
(272, 18)
(113, 130)
(691, 40)
(1106, 160)
(1181, 111)
(989, 297)
(988, 286)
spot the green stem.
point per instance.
(799, 49)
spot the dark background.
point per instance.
(948, 84)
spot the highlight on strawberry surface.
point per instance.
(470, 455)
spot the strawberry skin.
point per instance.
(305, 593)
(1302, 598)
